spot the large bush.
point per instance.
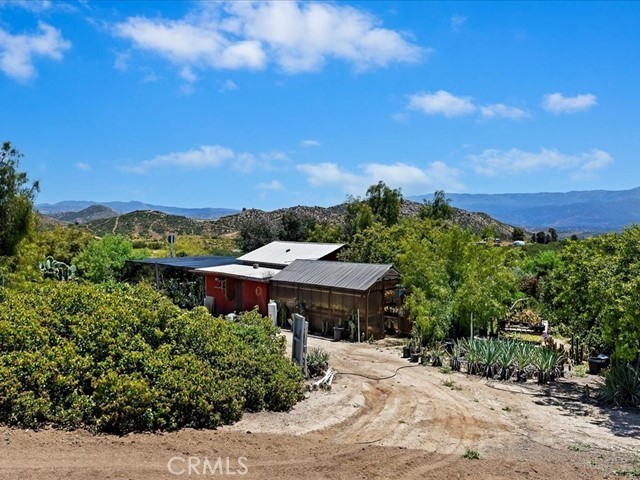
(116, 358)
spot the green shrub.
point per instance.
(116, 358)
(621, 386)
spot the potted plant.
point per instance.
(406, 349)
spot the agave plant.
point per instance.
(489, 353)
(454, 357)
(506, 359)
(621, 386)
(546, 362)
(436, 354)
(524, 356)
(472, 349)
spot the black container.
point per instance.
(598, 363)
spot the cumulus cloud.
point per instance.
(494, 162)
(309, 143)
(441, 103)
(410, 178)
(501, 110)
(558, 103)
(85, 167)
(449, 105)
(17, 52)
(213, 156)
(297, 37)
(206, 156)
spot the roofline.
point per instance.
(232, 275)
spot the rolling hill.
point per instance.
(156, 225)
(128, 207)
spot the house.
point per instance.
(245, 284)
(332, 294)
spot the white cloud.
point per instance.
(17, 52)
(228, 86)
(457, 21)
(558, 103)
(309, 143)
(206, 156)
(411, 179)
(501, 110)
(187, 75)
(85, 167)
(450, 105)
(494, 162)
(441, 103)
(272, 185)
(297, 37)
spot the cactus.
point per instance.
(52, 268)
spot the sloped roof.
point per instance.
(245, 272)
(338, 275)
(284, 253)
(189, 262)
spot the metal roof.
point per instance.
(189, 262)
(240, 271)
(339, 275)
(284, 253)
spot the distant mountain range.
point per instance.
(591, 211)
(74, 206)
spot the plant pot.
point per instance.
(406, 352)
(597, 363)
(414, 357)
(338, 332)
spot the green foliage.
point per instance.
(384, 203)
(452, 278)
(295, 227)
(471, 454)
(317, 361)
(621, 386)
(595, 295)
(104, 260)
(438, 208)
(255, 233)
(16, 200)
(115, 358)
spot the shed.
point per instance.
(237, 288)
(280, 254)
(332, 294)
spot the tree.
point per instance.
(517, 234)
(104, 259)
(553, 234)
(16, 200)
(295, 226)
(255, 233)
(438, 208)
(384, 203)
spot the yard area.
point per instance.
(418, 424)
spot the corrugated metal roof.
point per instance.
(339, 275)
(240, 271)
(284, 253)
(189, 262)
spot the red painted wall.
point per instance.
(253, 293)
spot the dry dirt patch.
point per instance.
(412, 425)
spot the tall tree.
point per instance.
(16, 200)
(384, 202)
(438, 208)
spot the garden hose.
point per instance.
(378, 378)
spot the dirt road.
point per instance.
(416, 425)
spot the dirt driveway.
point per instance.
(416, 425)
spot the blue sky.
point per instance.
(253, 104)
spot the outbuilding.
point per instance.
(339, 294)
